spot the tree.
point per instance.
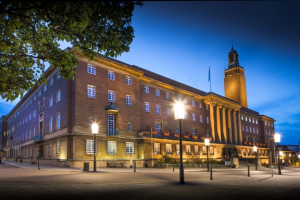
(30, 32)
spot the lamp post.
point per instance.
(255, 152)
(94, 132)
(179, 115)
(206, 140)
(277, 140)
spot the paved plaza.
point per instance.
(24, 181)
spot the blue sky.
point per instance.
(180, 40)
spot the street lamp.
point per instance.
(255, 152)
(299, 156)
(277, 140)
(206, 140)
(179, 114)
(94, 132)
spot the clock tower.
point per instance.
(234, 80)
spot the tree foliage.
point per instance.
(30, 32)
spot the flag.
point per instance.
(209, 74)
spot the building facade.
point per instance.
(134, 110)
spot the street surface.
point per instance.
(24, 181)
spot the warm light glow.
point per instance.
(95, 129)
(206, 140)
(299, 156)
(277, 137)
(179, 110)
(280, 153)
(255, 148)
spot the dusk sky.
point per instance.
(180, 40)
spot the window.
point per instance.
(256, 122)
(147, 107)
(266, 132)
(34, 97)
(249, 119)
(111, 96)
(111, 147)
(177, 149)
(200, 104)
(271, 124)
(91, 120)
(242, 127)
(128, 100)
(167, 95)
(39, 94)
(29, 116)
(265, 123)
(194, 117)
(193, 103)
(204, 150)
(185, 116)
(111, 123)
(158, 109)
(91, 91)
(91, 69)
(50, 149)
(45, 88)
(146, 89)
(129, 126)
(51, 81)
(177, 129)
(206, 107)
(194, 131)
(158, 127)
(111, 75)
(90, 147)
(58, 95)
(50, 125)
(34, 113)
(253, 121)
(196, 148)
(253, 130)
(128, 80)
(257, 130)
(157, 92)
(58, 121)
(58, 76)
(207, 120)
(211, 150)
(30, 102)
(168, 111)
(201, 120)
(58, 148)
(156, 148)
(51, 101)
(246, 119)
(188, 149)
(246, 128)
(250, 129)
(34, 131)
(168, 149)
(242, 117)
(129, 148)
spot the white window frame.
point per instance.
(168, 111)
(45, 88)
(129, 127)
(147, 107)
(128, 100)
(111, 147)
(51, 81)
(196, 150)
(129, 147)
(58, 121)
(58, 95)
(50, 124)
(194, 117)
(157, 92)
(58, 148)
(201, 119)
(50, 149)
(194, 131)
(158, 109)
(188, 149)
(91, 69)
(111, 96)
(50, 101)
(111, 75)
(177, 149)
(91, 91)
(168, 149)
(193, 103)
(211, 151)
(146, 89)
(156, 148)
(89, 147)
(128, 80)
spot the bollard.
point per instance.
(248, 171)
(38, 164)
(211, 178)
(173, 167)
(134, 166)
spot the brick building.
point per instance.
(134, 110)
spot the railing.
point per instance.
(114, 132)
(192, 165)
(38, 138)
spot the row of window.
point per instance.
(250, 119)
(250, 152)
(111, 147)
(57, 123)
(157, 149)
(250, 129)
(268, 123)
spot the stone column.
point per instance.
(212, 121)
(229, 125)
(234, 127)
(218, 122)
(240, 127)
(224, 124)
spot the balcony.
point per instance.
(113, 132)
(38, 138)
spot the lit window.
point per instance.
(167, 95)
(111, 96)
(51, 101)
(57, 148)
(168, 111)
(250, 129)
(207, 120)
(196, 150)
(90, 147)
(242, 117)
(256, 122)
(194, 131)
(111, 75)
(147, 107)
(271, 124)
(129, 148)
(128, 100)
(193, 103)
(146, 89)
(129, 126)
(50, 125)
(211, 150)
(128, 80)
(168, 149)
(204, 150)
(50, 149)
(157, 92)
(188, 149)
(156, 148)
(194, 116)
(265, 123)
(111, 147)
(158, 109)
(91, 91)
(58, 95)
(249, 119)
(91, 69)
(58, 121)
(177, 149)
(201, 120)
(246, 119)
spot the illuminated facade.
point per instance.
(134, 110)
